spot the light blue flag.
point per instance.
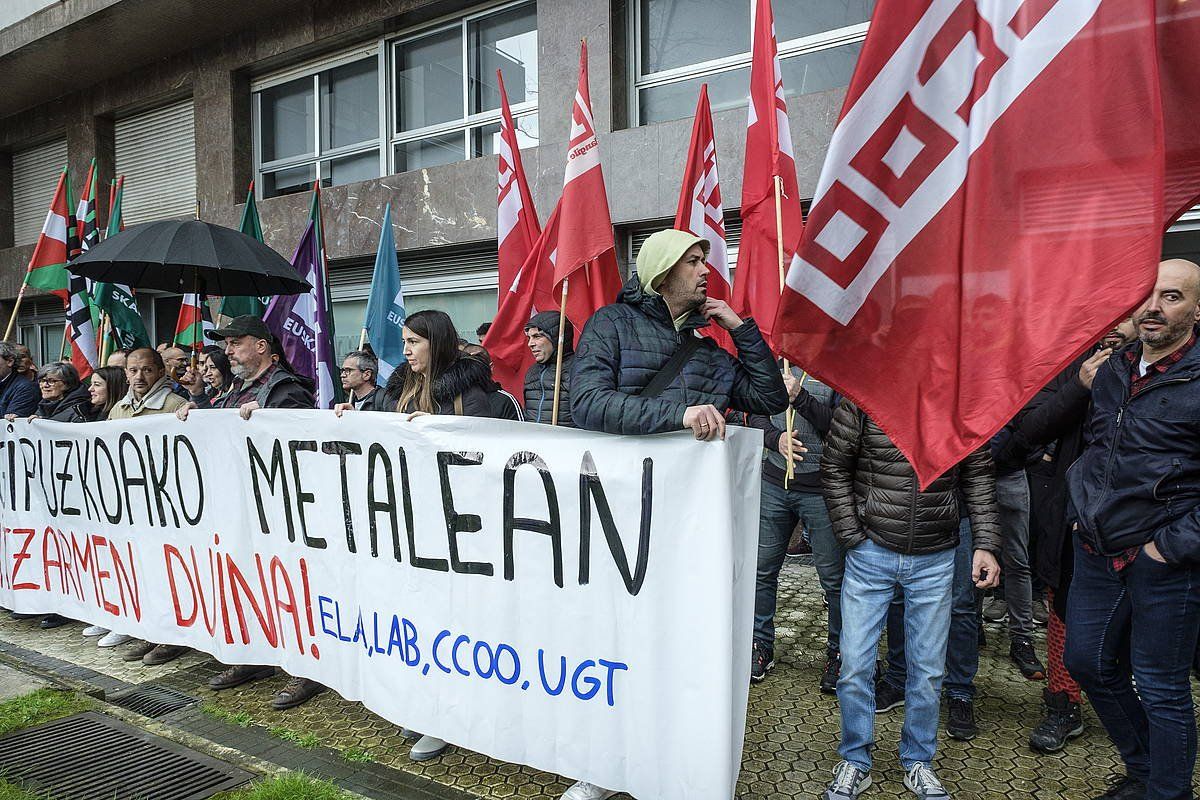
(385, 308)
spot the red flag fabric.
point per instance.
(700, 210)
(993, 198)
(768, 154)
(586, 253)
(517, 226)
(528, 294)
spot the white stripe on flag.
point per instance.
(55, 227)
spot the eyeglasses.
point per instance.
(344, 370)
(49, 381)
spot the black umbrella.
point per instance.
(190, 256)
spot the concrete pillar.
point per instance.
(223, 154)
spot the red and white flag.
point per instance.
(700, 210)
(517, 226)
(586, 254)
(529, 293)
(994, 197)
(768, 154)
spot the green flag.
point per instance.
(126, 327)
(251, 226)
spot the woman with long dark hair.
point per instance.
(106, 386)
(436, 378)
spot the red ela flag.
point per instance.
(529, 293)
(994, 197)
(586, 255)
(768, 154)
(700, 211)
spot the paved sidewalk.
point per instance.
(791, 732)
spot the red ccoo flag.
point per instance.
(964, 243)
(529, 293)
(586, 253)
(768, 154)
(700, 210)
(517, 225)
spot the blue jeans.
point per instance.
(780, 511)
(962, 652)
(1138, 625)
(873, 573)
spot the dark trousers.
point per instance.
(1141, 625)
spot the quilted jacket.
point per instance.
(625, 344)
(871, 491)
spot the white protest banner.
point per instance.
(577, 602)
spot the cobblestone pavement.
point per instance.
(791, 730)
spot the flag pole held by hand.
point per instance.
(562, 315)
(789, 415)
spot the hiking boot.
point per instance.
(163, 654)
(961, 719)
(921, 781)
(296, 692)
(237, 675)
(848, 782)
(762, 661)
(1123, 787)
(995, 608)
(586, 791)
(1062, 722)
(887, 696)
(138, 651)
(1026, 659)
(829, 675)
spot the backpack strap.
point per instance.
(670, 371)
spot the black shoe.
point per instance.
(297, 691)
(138, 651)
(887, 696)
(829, 675)
(961, 723)
(1026, 660)
(762, 661)
(1123, 787)
(1062, 723)
(1041, 613)
(163, 654)
(236, 676)
(51, 621)
(22, 615)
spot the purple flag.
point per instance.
(301, 321)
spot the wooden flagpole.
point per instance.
(362, 338)
(562, 316)
(789, 415)
(16, 307)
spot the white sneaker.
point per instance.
(94, 630)
(112, 639)
(921, 781)
(586, 791)
(427, 747)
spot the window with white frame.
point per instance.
(680, 44)
(445, 96)
(325, 124)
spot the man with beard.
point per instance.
(1133, 614)
(259, 382)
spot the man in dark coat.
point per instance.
(625, 345)
(542, 332)
(17, 395)
(898, 537)
(1133, 613)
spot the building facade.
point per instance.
(384, 101)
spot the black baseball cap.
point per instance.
(245, 325)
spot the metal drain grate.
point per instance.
(151, 700)
(91, 756)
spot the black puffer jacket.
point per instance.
(468, 378)
(539, 380)
(625, 344)
(64, 409)
(872, 491)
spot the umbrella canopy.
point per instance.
(189, 256)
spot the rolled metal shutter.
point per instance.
(156, 152)
(35, 175)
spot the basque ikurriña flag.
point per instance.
(303, 323)
(48, 265)
(700, 211)
(993, 199)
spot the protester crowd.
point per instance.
(1082, 513)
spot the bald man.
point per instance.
(1133, 612)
